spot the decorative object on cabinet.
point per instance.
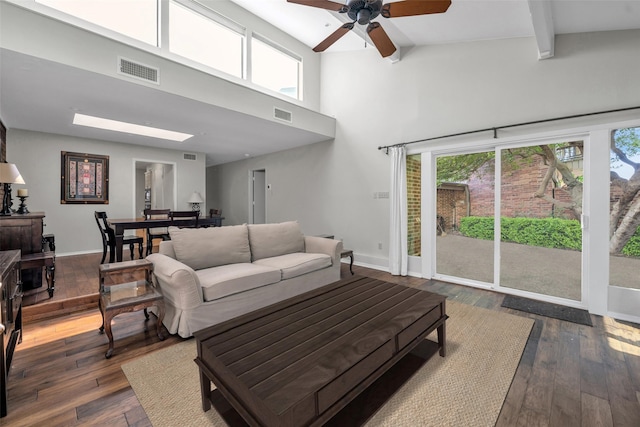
(23, 193)
(195, 200)
(9, 174)
(10, 317)
(84, 178)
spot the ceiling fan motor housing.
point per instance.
(364, 11)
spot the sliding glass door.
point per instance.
(532, 196)
(464, 216)
(540, 210)
(624, 225)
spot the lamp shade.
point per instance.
(195, 198)
(9, 174)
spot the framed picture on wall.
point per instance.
(84, 178)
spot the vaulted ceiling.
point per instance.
(465, 20)
(38, 94)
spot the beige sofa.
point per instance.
(209, 275)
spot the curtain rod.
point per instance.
(496, 128)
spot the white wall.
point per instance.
(432, 91)
(43, 37)
(37, 156)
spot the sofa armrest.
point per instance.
(321, 245)
(178, 282)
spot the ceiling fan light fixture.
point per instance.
(365, 11)
(362, 11)
(364, 16)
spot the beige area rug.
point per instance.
(467, 387)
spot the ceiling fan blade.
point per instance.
(333, 37)
(414, 7)
(322, 4)
(380, 39)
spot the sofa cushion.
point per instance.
(225, 280)
(210, 247)
(270, 240)
(296, 264)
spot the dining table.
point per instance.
(120, 225)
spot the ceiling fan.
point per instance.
(364, 11)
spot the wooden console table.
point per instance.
(10, 317)
(298, 362)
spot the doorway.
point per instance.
(155, 185)
(258, 196)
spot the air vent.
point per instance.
(282, 114)
(190, 156)
(138, 71)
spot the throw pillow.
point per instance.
(269, 240)
(210, 247)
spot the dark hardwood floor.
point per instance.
(569, 374)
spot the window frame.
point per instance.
(162, 48)
(262, 39)
(219, 19)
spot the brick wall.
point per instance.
(451, 206)
(518, 187)
(414, 204)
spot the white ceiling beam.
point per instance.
(542, 20)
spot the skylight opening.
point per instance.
(118, 126)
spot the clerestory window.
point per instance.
(274, 68)
(188, 29)
(136, 19)
(208, 39)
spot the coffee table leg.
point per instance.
(442, 339)
(205, 391)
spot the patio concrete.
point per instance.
(548, 271)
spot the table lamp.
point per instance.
(9, 174)
(195, 201)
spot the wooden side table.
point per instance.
(118, 297)
(348, 253)
(345, 252)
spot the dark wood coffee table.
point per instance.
(300, 361)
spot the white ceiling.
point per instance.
(465, 20)
(41, 96)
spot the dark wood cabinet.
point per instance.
(10, 317)
(24, 232)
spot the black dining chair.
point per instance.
(183, 215)
(109, 239)
(156, 232)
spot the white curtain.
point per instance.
(398, 257)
